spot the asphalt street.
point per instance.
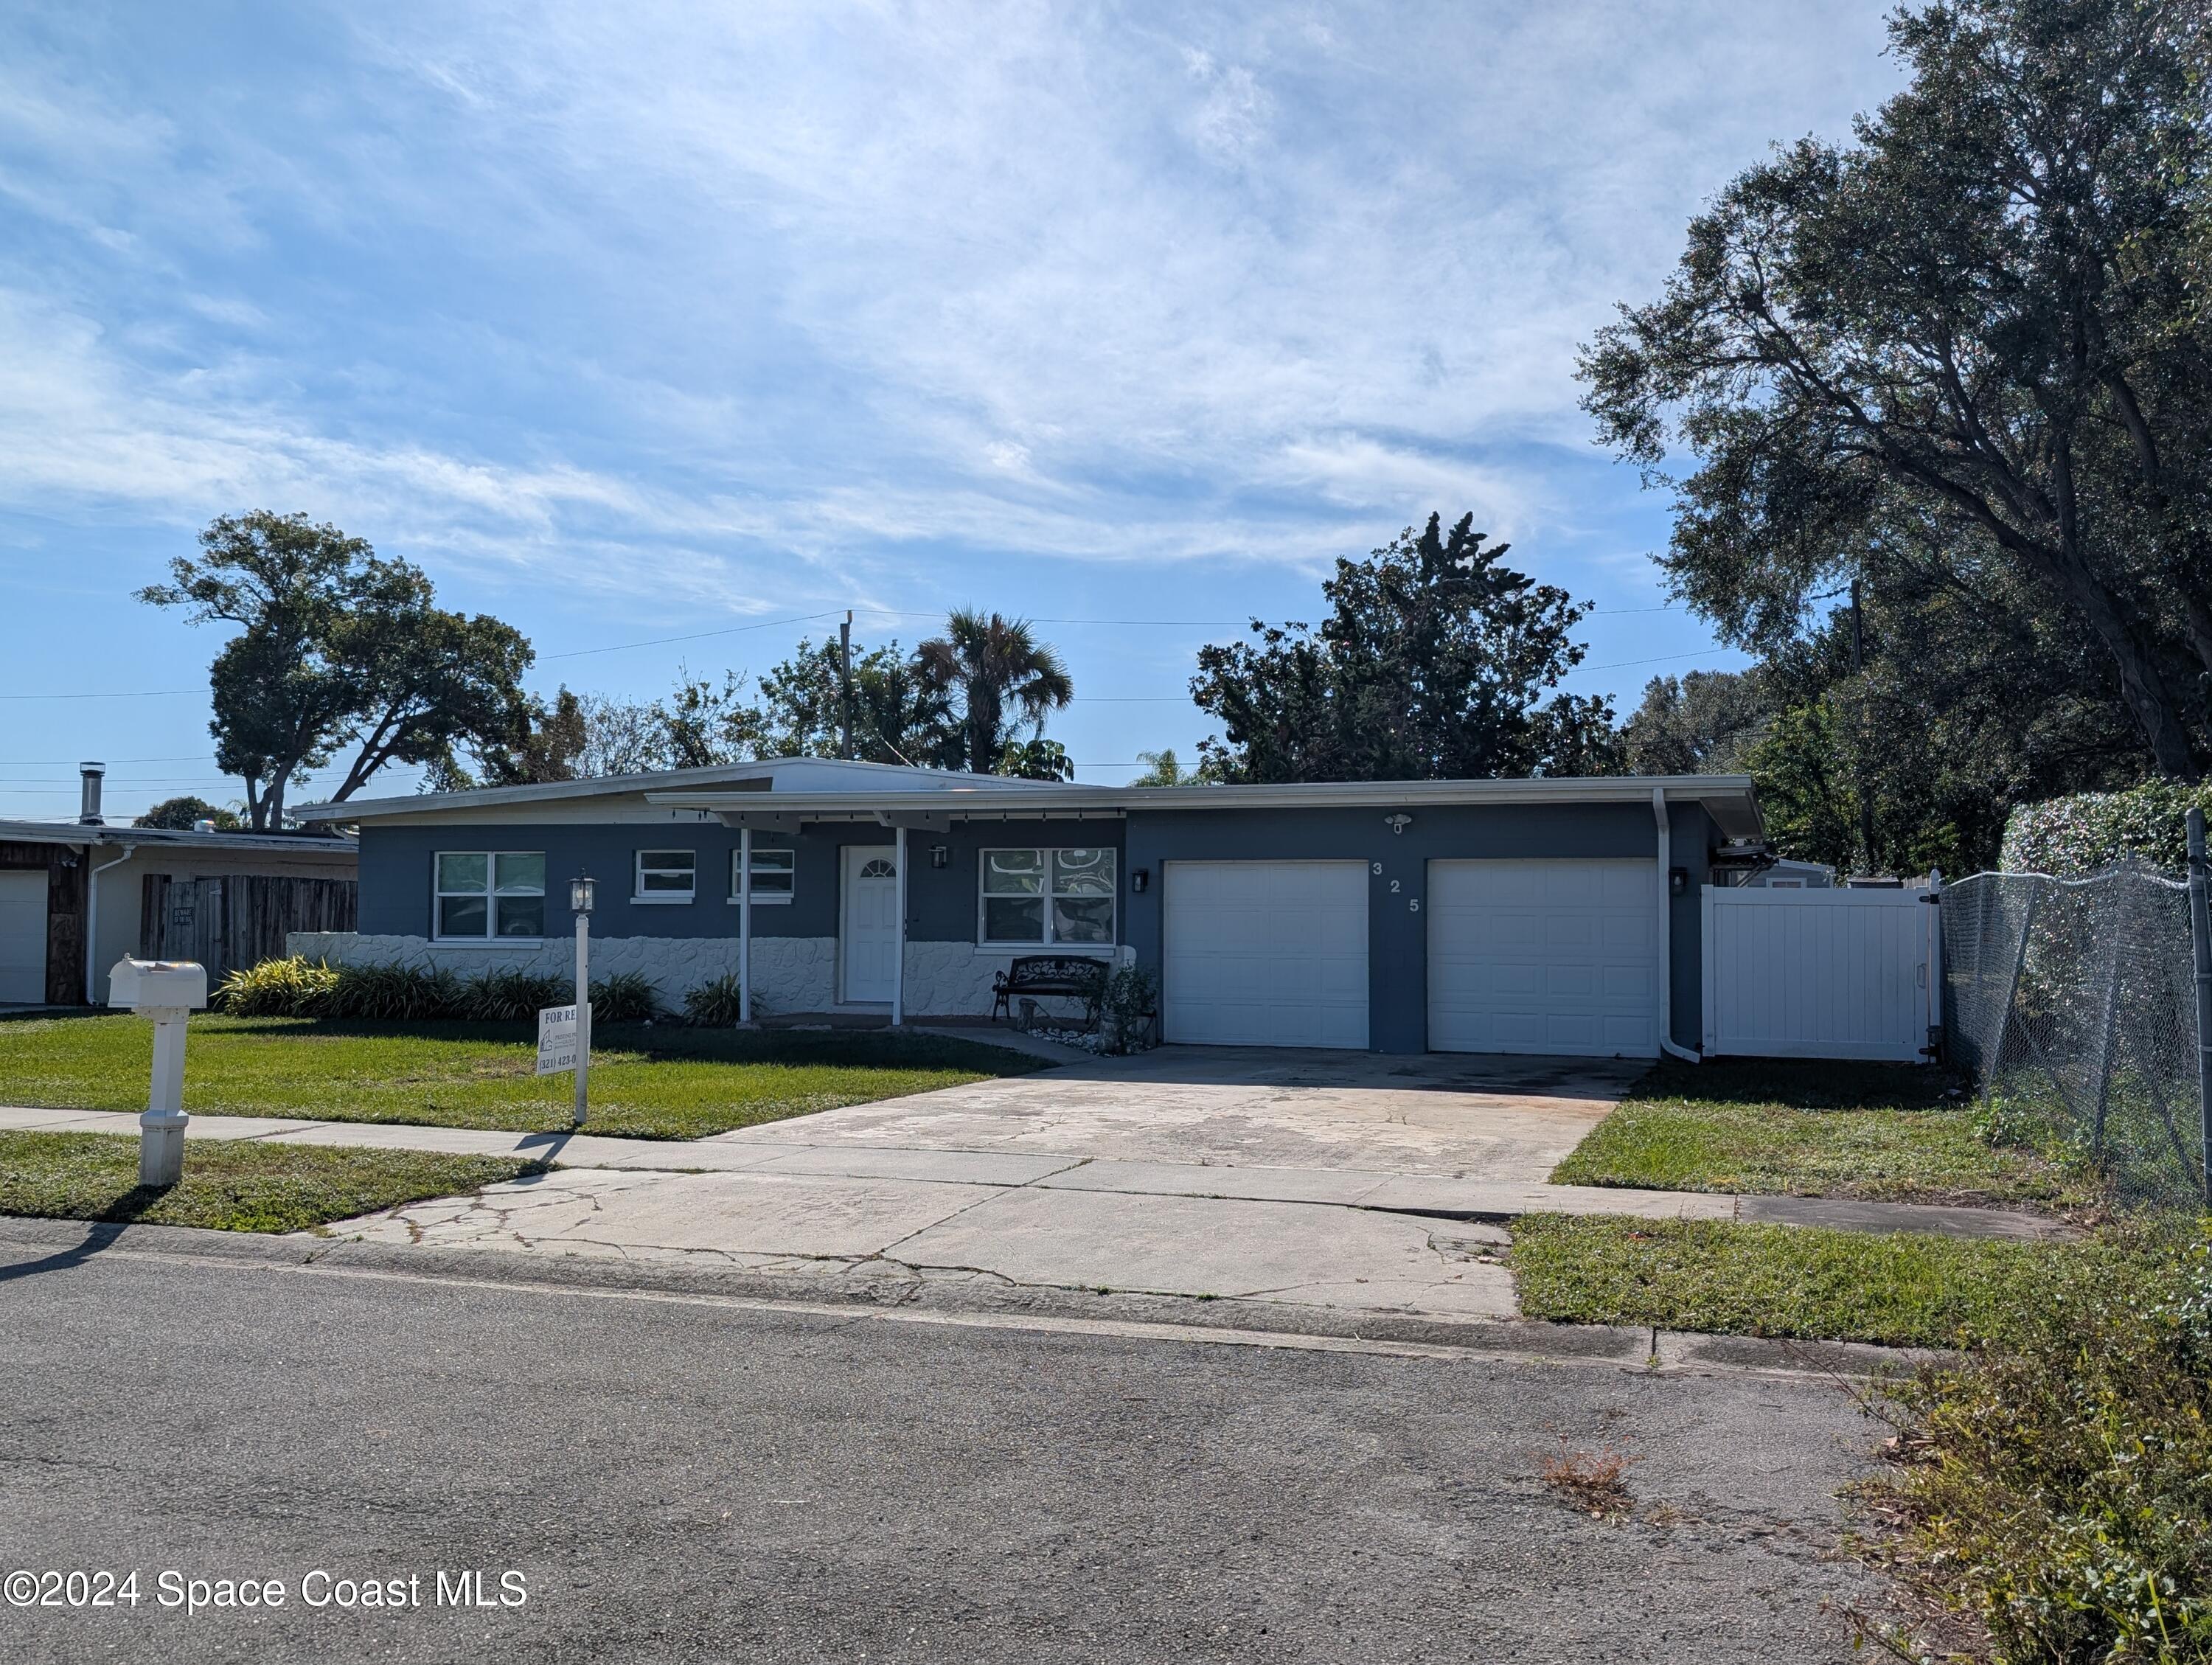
(675, 1478)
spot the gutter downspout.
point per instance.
(898, 972)
(92, 911)
(1666, 935)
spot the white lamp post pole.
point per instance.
(744, 925)
(579, 899)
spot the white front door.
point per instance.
(1266, 953)
(868, 942)
(23, 937)
(1545, 956)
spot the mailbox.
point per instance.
(157, 985)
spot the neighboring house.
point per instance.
(222, 899)
(1783, 874)
(1532, 915)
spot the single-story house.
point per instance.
(1526, 915)
(224, 898)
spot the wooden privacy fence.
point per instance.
(1822, 974)
(237, 920)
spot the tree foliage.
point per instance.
(1703, 723)
(1164, 769)
(899, 714)
(183, 814)
(1963, 355)
(998, 679)
(1437, 661)
(337, 647)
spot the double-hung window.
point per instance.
(1033, 897)
(486, 894)
(775, 874)
(666, 876)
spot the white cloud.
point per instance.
(669, 289)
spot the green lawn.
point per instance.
(229, 1185)
(1880, 1131)
(657, 1083)
(1905, 1289)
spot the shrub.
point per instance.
(2069, 837)
(715, 1005)
(1131, 996)
(396, 994)
(2058, 1491)
(506, 995)
(276, 988)
(626, 997)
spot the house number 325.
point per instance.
(1413, 903)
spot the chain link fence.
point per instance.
(2073, 1004)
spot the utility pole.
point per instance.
(845, 685)
(1859, 670)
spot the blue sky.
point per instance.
(639, 321)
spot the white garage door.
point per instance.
(1266, 953)
(1545, 956)
(23, 938)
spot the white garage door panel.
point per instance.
(1266, 953)
(23, 938)
(1544, 957)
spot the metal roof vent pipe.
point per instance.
(87, 814)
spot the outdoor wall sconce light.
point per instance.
(1139, 877)
(940, 856)
(1678, 881)
(580, 895)
(1398, 823)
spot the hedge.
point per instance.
(2073, 837)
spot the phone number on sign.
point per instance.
(320, 1589)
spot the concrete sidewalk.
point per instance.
(789, 1161)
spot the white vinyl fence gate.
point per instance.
(1822, 974)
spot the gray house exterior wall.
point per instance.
(397, 865)
(795, 943)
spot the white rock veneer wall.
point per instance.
(790, 973)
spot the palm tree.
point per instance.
(1003, 677)
(1164, 769)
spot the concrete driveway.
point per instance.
(1494, 1118)
(1316, 1179)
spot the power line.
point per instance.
(811, 618)
(1663, 658)
(37, 762)
(132, 694)
(700, 635)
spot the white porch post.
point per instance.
(898, 966)
(744, 925)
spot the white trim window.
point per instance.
(776, 876)
(1048, 898)
(666, 876)
(485, 896)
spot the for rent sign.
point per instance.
(556, 1039)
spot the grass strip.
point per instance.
(1885, 1133)
(1729, 1278)
(230, 1185)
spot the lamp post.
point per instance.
(580, 901)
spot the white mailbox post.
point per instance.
(167, 991)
